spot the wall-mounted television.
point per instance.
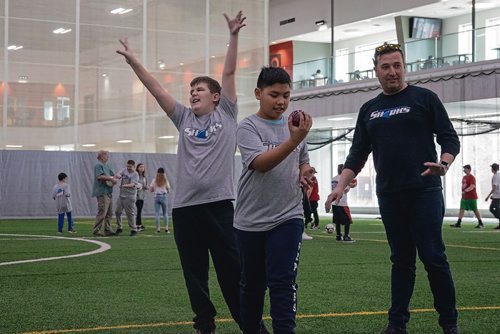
(425, 27)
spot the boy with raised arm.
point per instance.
(202, 208)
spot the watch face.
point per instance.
(444, 163)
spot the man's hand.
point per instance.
(334, 197)
(434, 168)
(235, 24)
(306, 177)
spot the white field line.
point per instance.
(103, 247)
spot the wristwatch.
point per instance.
(444, 164)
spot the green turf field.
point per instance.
(137, 286)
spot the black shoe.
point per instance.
(394, 330)
(109, 233)
(347, 238)
(457, 225)
(133, 233)
(118, 231)
(497, 228)
(451, 330)
(479, 226)
(339, 238)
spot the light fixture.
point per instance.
(13, 146)
(88, 145)
(166, 137)
(60, 31)
(22, 79)
(338, 119)
(161, 64)
(14, 47)
(124, 141)
(320, 23)
(104, 75)
(121, 11)
(181, 64)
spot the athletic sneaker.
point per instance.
(347, 238)
(118, 231)
(167, 231)
(306, 237)
(451, 330)
(479, 226)
(497, 228)
(339, 238)
(457, 225)
(133, 233)
(60, 233)
(394, 330)
(71, 231)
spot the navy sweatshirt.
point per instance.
(400, 129)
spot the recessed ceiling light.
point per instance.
(124, 141)
(22, 79)
(182, 64)
(88, 145)
(274, 42)
(60, 31)
(121, 11)
(14, 47)
(104, 75)
(340, 119)
(166, 137)
(13, 146)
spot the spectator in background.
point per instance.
(313, 194)
(161, 188)
(494, 194)
(128, 195)
(141, 191)
(341, 214)
(61, 194)
(103, 191)
(469, 198)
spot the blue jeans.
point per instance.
(60, 221)
(413, 221)
(270, 259)
(161, 209)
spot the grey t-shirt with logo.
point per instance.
(205, 157)
(127, 178)
(265, 200)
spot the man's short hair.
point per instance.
(494, 166)
(101, 153)
(61, 176)
(384, 49)
(131, 162)
(212, 84)
(270, 75)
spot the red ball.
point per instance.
(295, 115)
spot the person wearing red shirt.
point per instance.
(469, 198)
(313, 202)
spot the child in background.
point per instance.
(61, 194)
(341, 214)
(269, 217)
(141, 191)
(161, 187)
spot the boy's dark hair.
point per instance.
(61, 176)
(213, 85)
(468, 167)
(131, 162)
(270, 75)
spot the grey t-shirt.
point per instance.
(205, 157)
(268, 199)
(128, 178)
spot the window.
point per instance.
(492, 38)
(465, 38)
(342, 64)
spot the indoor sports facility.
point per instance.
(65, 94)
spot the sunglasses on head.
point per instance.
(386, 47)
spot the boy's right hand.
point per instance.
(298, 133)
(127, 52)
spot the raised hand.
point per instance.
(127, 51)
(236, 23)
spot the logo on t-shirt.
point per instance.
(388, 113)
(272, 145)
(202, 133)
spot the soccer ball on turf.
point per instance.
(330, 228)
